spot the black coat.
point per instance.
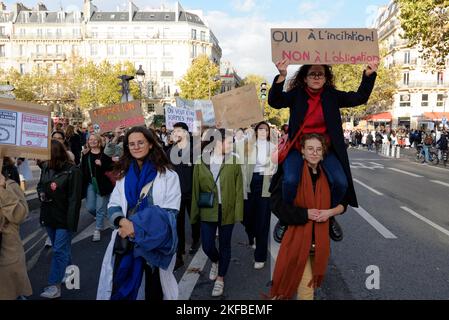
(105, 185)
(61, 191)
(332, 100)
(75, 146)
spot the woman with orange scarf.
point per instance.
(303, 256)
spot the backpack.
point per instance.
(428, 140)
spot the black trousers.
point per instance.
(180, 226)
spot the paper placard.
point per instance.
(325, 46)
(24, 130)
(128, 114)
(238, 108)
(174, 115)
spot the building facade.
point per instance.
(421, 97)
(229, 77)
(164, 41)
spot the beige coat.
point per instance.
(14, 279)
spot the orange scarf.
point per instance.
(297, 241)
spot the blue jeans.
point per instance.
(258, 218)
(426, 153)
(223, 254)
(61, 240)
(97, 206)
(336, 176)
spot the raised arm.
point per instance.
(277, 98)
(353, 99)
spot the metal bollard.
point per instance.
(398, 152)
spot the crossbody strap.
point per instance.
(143, 194)
(90, 166)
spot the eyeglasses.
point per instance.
(138, 145)
(316, 75)
(313, 150)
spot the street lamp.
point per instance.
(140, 76)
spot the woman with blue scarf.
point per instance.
(143, 208)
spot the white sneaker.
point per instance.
(213, 271)
(97, 236)
(48, 243)
(218, 289)
(51, 292)
(259, 265)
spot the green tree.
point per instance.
(200, 80)
(348, 77)
(274, 116)
(426, 23)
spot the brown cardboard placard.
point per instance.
(126, 114)
(238, 108)
(24, 129)
(325, 46)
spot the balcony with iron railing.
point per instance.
(63, 36)
(49, 56)
(424, 84)
(146, 36)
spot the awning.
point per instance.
(379, 117)
(435, 116)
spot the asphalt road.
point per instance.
(401, 228)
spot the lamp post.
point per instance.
(140, 76)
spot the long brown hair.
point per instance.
(156, 155)
(298, 79)
(59, 156)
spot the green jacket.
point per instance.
(231, 187)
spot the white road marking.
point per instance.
(377, 164)
(368, 187)
(37, 242)
(31, 236)
(440, 182)
(407, 173)
(192, 274)
(33, 260)
(417, 215)
(375, 224)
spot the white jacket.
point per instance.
(166, 194)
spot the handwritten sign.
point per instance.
(325, 46)
(24, 130)
(204, 106)
(238, 108)
(174, 115)
(128, 114)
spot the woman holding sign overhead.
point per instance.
(315, 104)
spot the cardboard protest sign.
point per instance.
(24, 130)
(128, 114)
(238, 108)
(325, 46)
(174, 115)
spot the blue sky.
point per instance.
(242, 26)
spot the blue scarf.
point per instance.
(135, 181)
(129, 273)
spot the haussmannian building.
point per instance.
(163, 41)
(421, 97)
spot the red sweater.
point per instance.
(314, 121)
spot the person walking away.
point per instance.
(74, 143)
(59, 191)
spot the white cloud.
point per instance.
(246, 42)
(306, 6)
(244, 5)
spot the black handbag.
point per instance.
(206, 199)
(124, 245)
(335, 231)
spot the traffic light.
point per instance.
(263, 91)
